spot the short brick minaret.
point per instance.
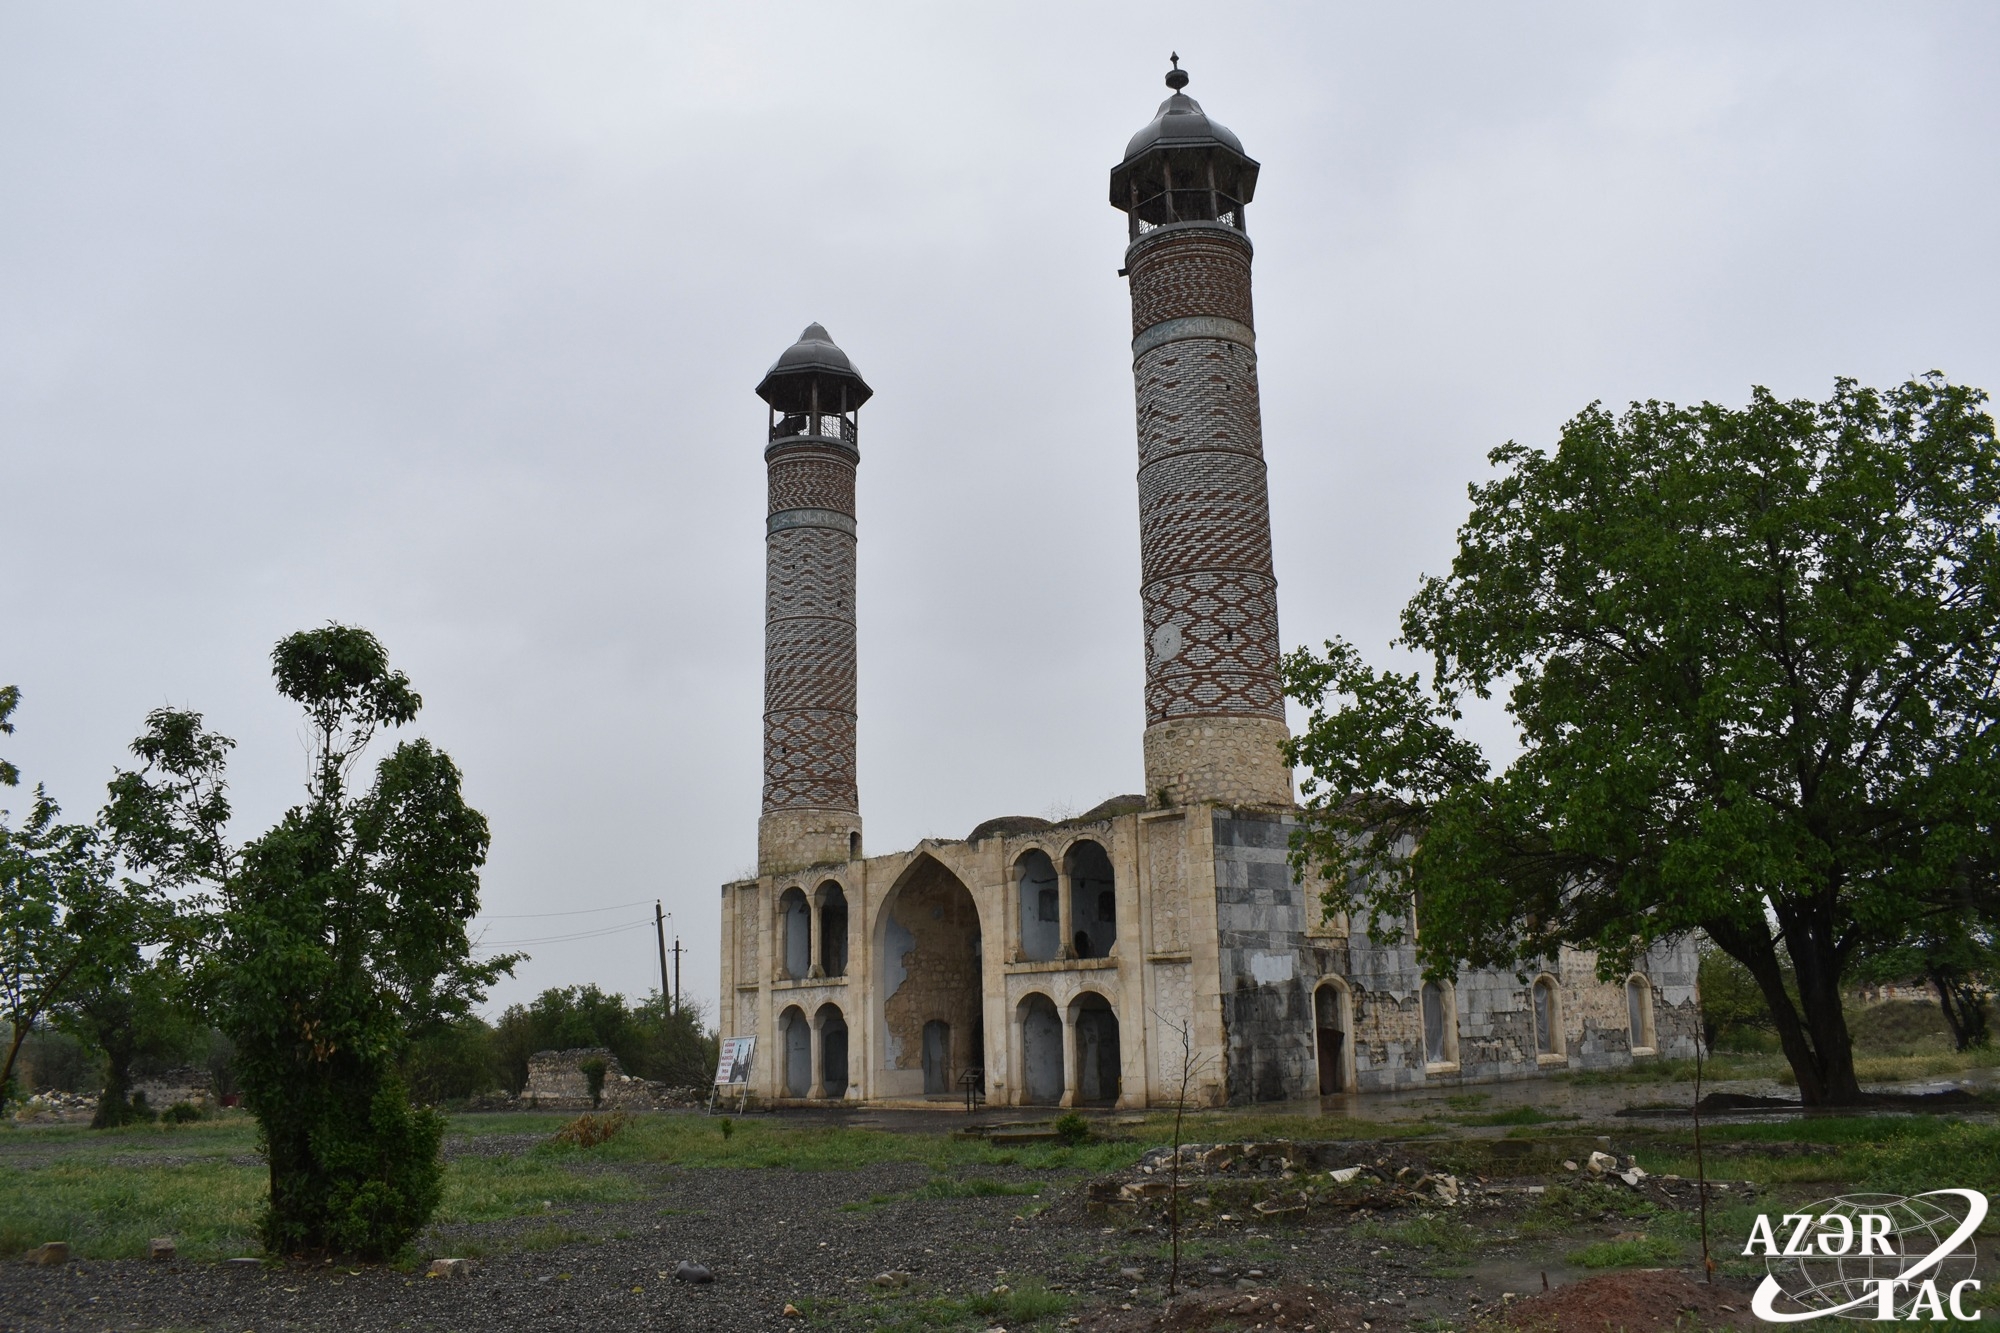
(1215, 714)
(812, 808)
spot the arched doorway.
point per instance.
(1041, 910)
(929, 934)
(795, 919)
(1093, 899)
(1331, 1022)
(796, 1034)
(832, 1051)
(832, 901)
(1041, 1051)
(1097, 1070)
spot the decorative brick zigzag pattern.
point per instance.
(809, 638)
(1204, 510)
(1189, 271)
(801, 480)
(810, 572)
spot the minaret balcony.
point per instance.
(821, 425)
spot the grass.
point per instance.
(1519, 1115)
(488, 1189)
(108, 1206)
(1444, 1235)
(1644, 1252)
(770, 1142)
(1026, 1303)
(1898, 1154)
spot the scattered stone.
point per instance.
(1001, 1289)
(1445, 1187)
(1132, 1274)
(1633, 1177)
(1344, 1174)
(687, 1270)
(161, 1249)
(890, 1280)
(49, 1255)
(793, 1311)
(1600, 1162)
(1568, 1165)
(245, 1261)
(450, 1268)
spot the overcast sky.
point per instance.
(443, 319)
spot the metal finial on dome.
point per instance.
(1177, 78)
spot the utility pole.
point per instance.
(677, 974)
(660, 930)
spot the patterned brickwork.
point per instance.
(809, 654)
(1203, 511)
(1196, 394)
(1212, 646)
(810, 573)
(1189, 270)
(812, 480)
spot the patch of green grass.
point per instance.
(1899, 1154)
(1518, 1115)
(1564, 1208)
(773, 1142)
(1466, 1101)
(551, 1237)
(1027, 1304)
(949, 1187)
(1645, 1252)
(486, 1189)
(1443, 1235)
(109, 1212)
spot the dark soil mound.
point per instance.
(1650, 1301)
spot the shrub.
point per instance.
(1072, 1129)
(587, 1131)
(182, 1113)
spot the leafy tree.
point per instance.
(329, 940)
(61, 914)
(10, 698)
(652, 1039)
(1751, 655)
(128, 1007)
(1956, 956)
(1733, 1011)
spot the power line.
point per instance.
(558, 939)
(578, 911)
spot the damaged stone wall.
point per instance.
(931, 974)
(1266, 992)
(557, 1081)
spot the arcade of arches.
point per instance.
(930, 983)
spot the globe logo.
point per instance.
(1870, 1256)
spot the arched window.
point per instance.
(832, 902)
(795, 920)
(832, 1027)
(1548, 1016)
(796, 1033)
(1041, 906)
(1440, 1006)
(1639, 1012)
(1093, 897)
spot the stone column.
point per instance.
(1065, 918)
(1070, 1063)
(814, 906)
(818, 1087)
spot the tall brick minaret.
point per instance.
(812, 809)
(1214, 712)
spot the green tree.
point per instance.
(10, 698)
(63, 916)
(328, 941)
(1751, 655)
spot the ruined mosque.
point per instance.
(1060, 964)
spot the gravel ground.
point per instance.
(771, 1237)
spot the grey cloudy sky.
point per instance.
(442, 319)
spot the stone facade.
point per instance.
(1160, 945)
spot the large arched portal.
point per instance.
(930, 984)
(1097, 1059)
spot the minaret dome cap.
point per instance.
(1182, 132)
(814, 358)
